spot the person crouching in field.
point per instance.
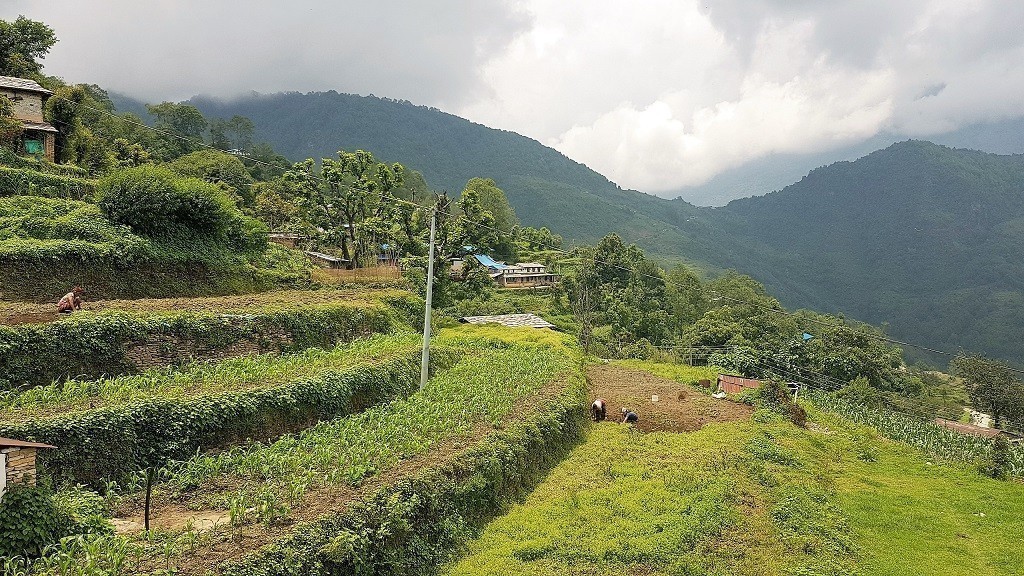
(597, 410)
(629, 417)
(71, 301)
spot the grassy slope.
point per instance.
(758, 497)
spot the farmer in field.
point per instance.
(629, 417)
(597, 410)
(71, 301)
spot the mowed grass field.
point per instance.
(758, 497)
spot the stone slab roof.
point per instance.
(37, 126)
(12, 443)
(510, 320)
(22, 84)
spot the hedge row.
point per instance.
(92, 346)
(11, 160)
(24, 182)
(415, 525)
(112, 442)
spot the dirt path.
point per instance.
(679, 408)
(15, 313)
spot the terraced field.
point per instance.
(495, 391)
(754, 496)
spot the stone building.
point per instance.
(29, 99)
(18, 462)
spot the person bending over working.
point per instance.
(71, 301)
(629, 417)
(597, 409)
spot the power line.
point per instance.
(551, 247)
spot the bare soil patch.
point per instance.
(679, 408)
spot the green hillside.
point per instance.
(546, 187)
(919, 236)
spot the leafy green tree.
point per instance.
(22, 43)
(343, 195)
(684, 296)
(235, 133)
(992, 386)
(271, 207)
(218, 168)
(183, 126)
(10, 128)
(129, 154)
(493, 200)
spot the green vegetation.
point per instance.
(758, 497)
(114, 343)
(150, 419)
(882, 239)
(25, 182)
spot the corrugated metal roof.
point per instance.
(510, 320)
(22, 84)
(12, 443)
(489, 262)
(972, 429)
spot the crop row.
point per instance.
(111, 442)
(114, 343)
(480, 389)
(922, 434)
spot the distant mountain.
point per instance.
(776, 171)
(924, 238)
(545, 187)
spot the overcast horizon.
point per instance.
(655, 96)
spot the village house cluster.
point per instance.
(523, 275)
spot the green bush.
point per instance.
(416, 524)
(11, 160)
(156, 201)
(31, 521)
(774, 396)
(48, 231)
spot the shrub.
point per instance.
(774, 396)
(31, 521)
(999, 465)
(156, 201)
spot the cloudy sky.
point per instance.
(654, 94)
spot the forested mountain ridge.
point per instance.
(919, 236)
(546, 187)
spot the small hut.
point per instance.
(18, 462)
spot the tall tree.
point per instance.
(184, 126)
(992, 387)
(22, 43)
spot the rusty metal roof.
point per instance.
(973, 429)
(511, 320)
(22, 84)
(12, 443)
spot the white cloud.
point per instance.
(666, 94)
(656, 95)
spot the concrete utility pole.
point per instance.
(425, 364)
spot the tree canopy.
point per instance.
(22, 44)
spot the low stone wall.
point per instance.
(159, 351)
